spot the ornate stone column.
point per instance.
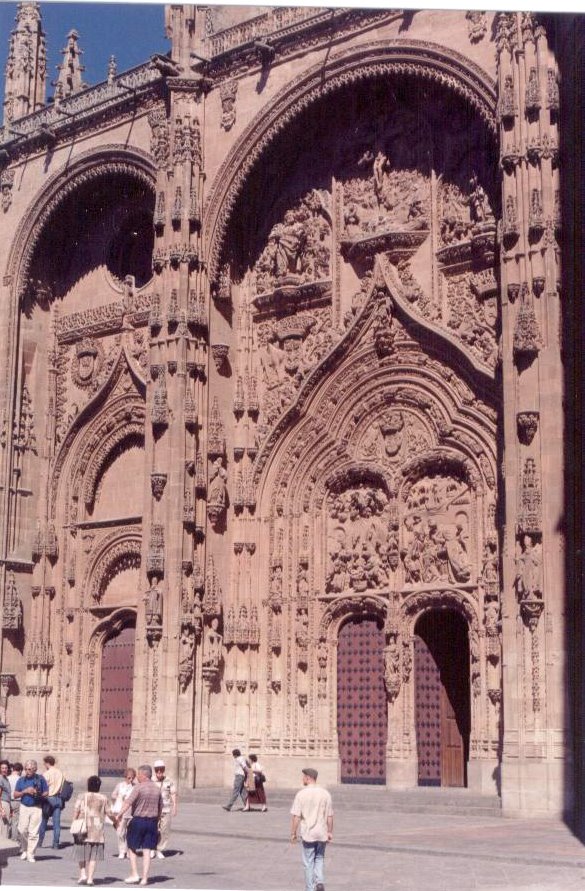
(535, 742)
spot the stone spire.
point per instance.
(26, 67)
(70, 78)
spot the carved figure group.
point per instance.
(434, 552)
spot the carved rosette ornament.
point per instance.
(527, 423)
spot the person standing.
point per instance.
(89, 848)
(312, 810)
(5, 800)
(15, 775)
(168, 791)
(257, 795)
(119, 796)
(32, 791)
(145, 805)
(239, 787)
(54, 803)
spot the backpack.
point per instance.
(66, 790)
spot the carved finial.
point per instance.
(112, 69)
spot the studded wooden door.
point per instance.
(442, 707)
(116, 702)
(361, 703)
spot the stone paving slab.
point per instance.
(372, 850)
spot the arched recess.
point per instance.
(428, 61)
(88, 167)
(116, 552)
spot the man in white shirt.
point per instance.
(239, 788)
(54, 803)
(312, 810)
(168, 790)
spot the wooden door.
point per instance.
(116, 702)
(442, 708)
(361, 703)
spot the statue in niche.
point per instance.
(212, 646)
(276, 584)
(492, 618)
(186, 650)
(459, 569)
(392, 678)
(529, 570)
(478, 201)
(154, 603)
(217, 491)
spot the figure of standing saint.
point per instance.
(153, 600)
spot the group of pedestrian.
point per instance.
(28, 800)
(249, 779)
(141, 809)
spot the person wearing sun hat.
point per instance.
(168, 791)
(312, 810)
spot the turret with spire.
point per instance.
(26, 68)
(70, 78)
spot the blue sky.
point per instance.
(129, 31)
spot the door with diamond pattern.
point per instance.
(361, 702)
(116, 702)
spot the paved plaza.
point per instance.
(375, 848)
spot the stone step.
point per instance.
(364, 798)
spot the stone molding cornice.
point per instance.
(93, 164)
(402, 57)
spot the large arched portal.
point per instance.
(361, 702)
(442, 695)
(115, 717)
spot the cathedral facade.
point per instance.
(282, 383)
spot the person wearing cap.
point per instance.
(168, 791)
(312, 810)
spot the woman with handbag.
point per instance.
(87, 828)
(255, 784)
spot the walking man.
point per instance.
(145, 805)
(14, 777)
(168, 791)
(313, 811)
(32, 790)
(5, 800)
(239, 788)
(54, 803)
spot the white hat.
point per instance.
(158, 763)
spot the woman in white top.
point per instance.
(119, 796)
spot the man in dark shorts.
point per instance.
(145, 804)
